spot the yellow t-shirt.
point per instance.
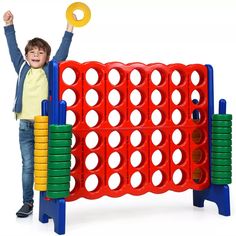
(34, 91)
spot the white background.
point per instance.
(167, 31)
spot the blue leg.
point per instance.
(54, 209)
(215, 193)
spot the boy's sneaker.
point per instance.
(25, 210)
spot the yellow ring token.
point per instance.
(40, 160)
(40, 173)
(78, 6)
(41, 119)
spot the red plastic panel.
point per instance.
(134, 127)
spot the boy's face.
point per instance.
(37, 57)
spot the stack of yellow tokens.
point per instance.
(40, 152)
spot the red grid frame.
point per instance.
(195, 160)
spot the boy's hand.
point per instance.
(8, 18)
(70, 27)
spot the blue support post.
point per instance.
(215, 193)
(53, 208)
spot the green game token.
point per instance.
(59, 150)
(58, 158)
(60, 128)
(58, 172)
(221, 174)
(58, 194)
(60, 136)
(216, 123)
(221, 168)
(221, 155)
(58, 180)
(222, 117)
(221, 136)
(221, 149)
(59, 165)
(222, 143)
(58, 187)
(221, 130)
(221, 162)
(59, 143)
(221, 181)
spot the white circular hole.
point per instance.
(114, 118)
(177, 177)
(114, 160)
(156, 137)
(69, 96)
(92, 76)
(135, 77)
(156, 97)
(176, 116)
(70, 117)
(91, 140)
(176, 136)
(176, 77)
(195, 96)
(157, 178)
(114, 97)
(91, 183)
(69, 76)
(176, 97)
(73, 140)
(92, 97)
(72, 161)
(136, 158)
(91, 161)
(92, 118)
(114, 139)
(136, 179)
(157, 158)
(195, 78)
(114, 181)
(79, 14)
(156, 77)
(177, 156)
(72, 183)
(156, 117)
(135, 97)
(136, 138)
(136, 117)
(114, 77)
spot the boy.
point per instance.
(31, 89)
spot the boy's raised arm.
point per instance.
(15, 53)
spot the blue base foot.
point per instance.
(55, 209)
(215, 193)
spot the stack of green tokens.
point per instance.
(221, 165)
(59, 161)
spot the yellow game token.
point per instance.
(40, 173)
(39, 180)
(41, 146)
(40, 132)
(40, 126)
(41, 119)
(40, 160)
(40, 153)
(40, 187)
(38, 166)
(41, 139)
(78, 6)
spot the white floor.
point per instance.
(166, 214)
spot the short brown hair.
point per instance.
(40, 43)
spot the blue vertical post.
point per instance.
(53, 208)
(215, 193)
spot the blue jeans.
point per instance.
(26, 139)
